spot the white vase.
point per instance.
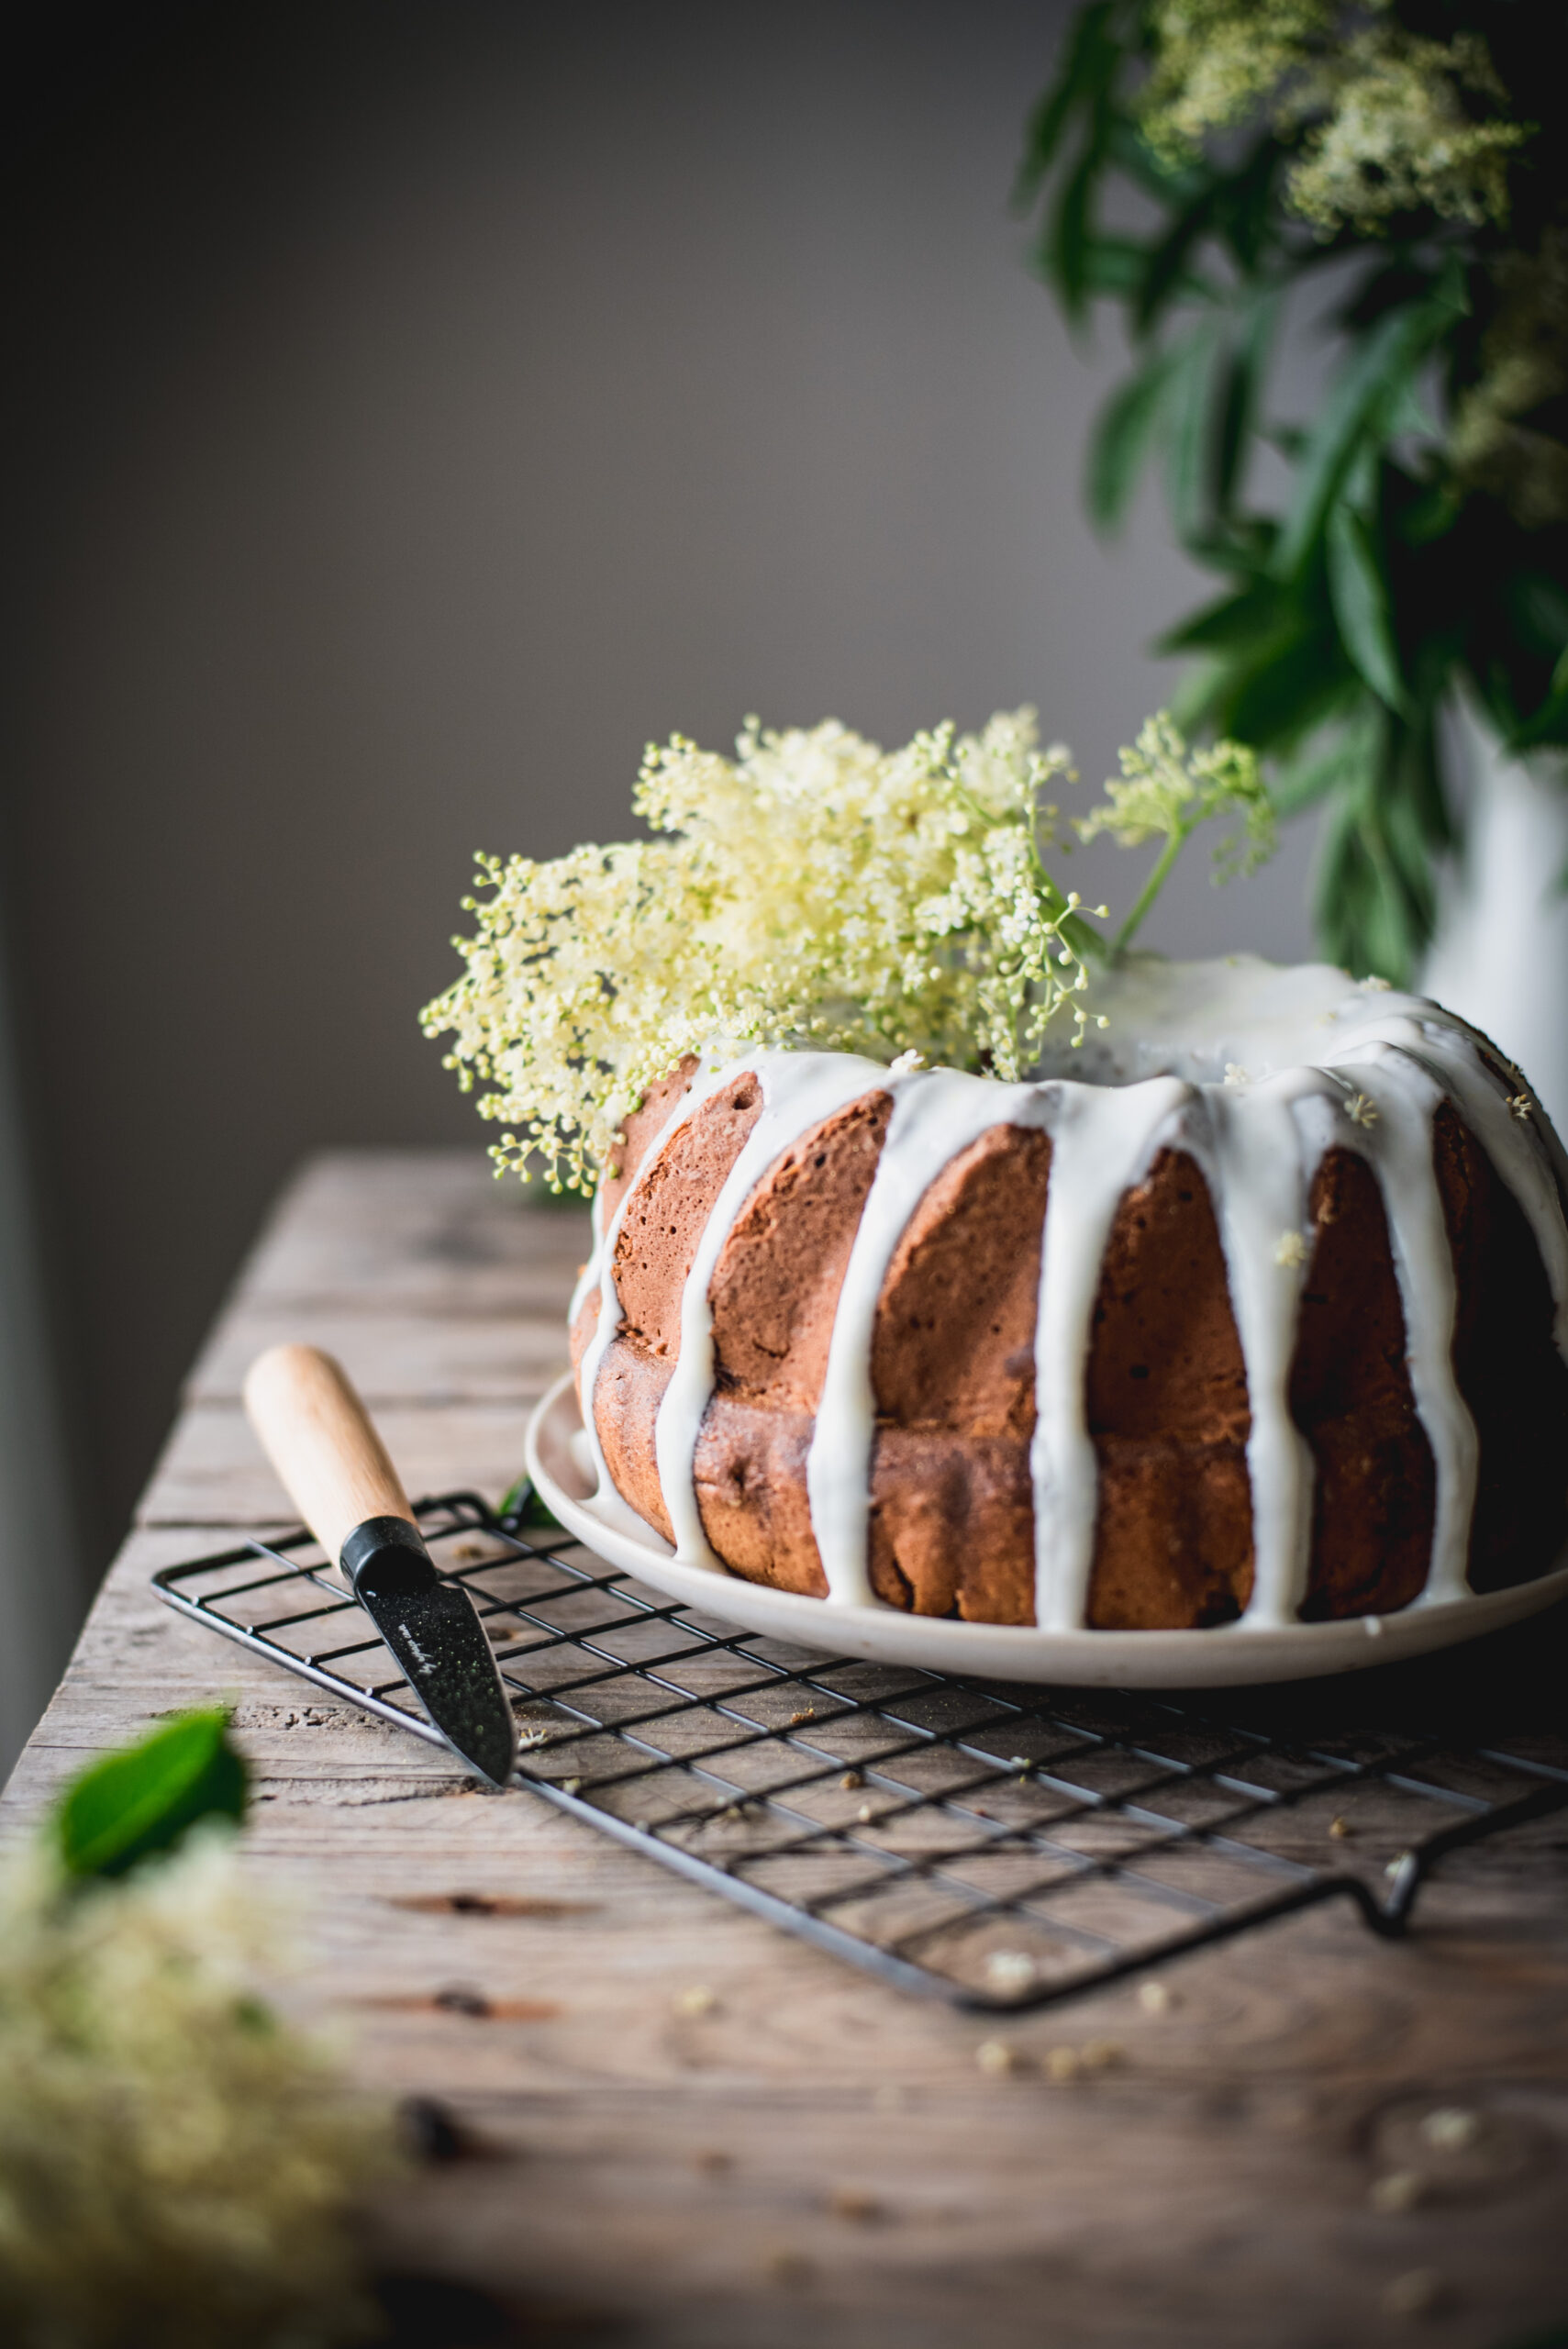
(1500, 954)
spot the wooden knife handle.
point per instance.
(317, 1434)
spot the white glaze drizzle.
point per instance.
(600, 1269)
(1103, 1139)
(1399, 1147)
(936, 1114)
(588, 1278)
(799, 1089)
(1256, 1159)
(1314, 1047)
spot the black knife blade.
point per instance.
(433, 1629)
(320, 1438)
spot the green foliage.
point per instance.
(143, 1799)
(1415, 554)
(526, 1512)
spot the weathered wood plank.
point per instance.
(418, 1230)
(212, 1471)
(424, 1359)
(808, 2151)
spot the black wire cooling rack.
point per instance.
(1000, 1846)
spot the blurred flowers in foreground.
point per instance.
(176, 2164)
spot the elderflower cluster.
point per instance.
(1390, 117)
(1166, 790)
(814, 891)
(175, 2163)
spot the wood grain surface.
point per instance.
(684, 2130)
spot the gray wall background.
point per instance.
(413, 409)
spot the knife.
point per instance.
(318, 1436)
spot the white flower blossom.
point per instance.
(814, 892)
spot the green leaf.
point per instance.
(1167, 261)
(1275, 699)
(1067, 252)
(1429, 516)
(1113, 265)
(1290, 440)
(522, 1507)
(1362, 395)
(1262, 613)
(1190, 447)
(1538, 606)
(1375, 898)
(1359, 592)
(1549, 723)
(1241, 393)
(1090, 48)
(1245, 213)
(1123, 431)
(142, 1801)
(1196, 694)
(1348, 763)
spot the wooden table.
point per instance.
(811, 2156)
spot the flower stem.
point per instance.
(1150, 891)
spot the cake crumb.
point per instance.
(807, 1713)
(854, 2202)
(1401, 2190)
(1338, 1829)
(1061, 2063)
(572, 1786)
(865, 1814)
(851, 1780)
(698, 2001)
(1420, 2292)
(1009, 1969)
(1290, 1250)
(1101, 2055)
(1450, 2129)
(1155, 1997)
(996, 2058)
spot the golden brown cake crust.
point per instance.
(1166, 1393)
(952, 1523)
(1350, 1394)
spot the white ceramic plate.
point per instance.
(1222, 1658)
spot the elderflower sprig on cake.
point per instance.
(1166, 791)
(814, 892)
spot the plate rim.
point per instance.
(1228, 1656)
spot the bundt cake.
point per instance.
(1259, 1314)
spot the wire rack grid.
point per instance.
(1003, 1846)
